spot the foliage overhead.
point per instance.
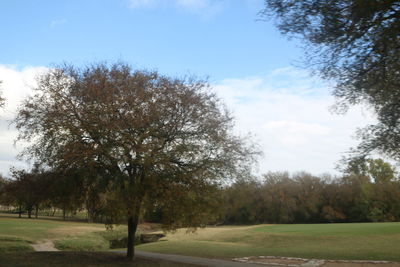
(357, 44)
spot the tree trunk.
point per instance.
(64, 213)
(132, 226)
(20, 211)
(36, 211)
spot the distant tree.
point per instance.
(241, 200)
(308, 197)
(356, 43)
(148, 136)
(25, 189)
(3, 183)
(66, 190)
(377, 170)
(279, 192)
(381, 191)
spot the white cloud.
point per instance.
(16, 85)
(293, 133)
(289, 113)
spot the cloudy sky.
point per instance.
(249, 64)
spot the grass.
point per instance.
(16, 234)
(86, 242)
(77, 259)
(358, 241)
(8, 244)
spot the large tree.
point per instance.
(149, 137)
(357, 44)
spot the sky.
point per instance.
(249, 64)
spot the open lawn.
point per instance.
(356, 241)
(16, 234)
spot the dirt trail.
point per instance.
(44, 245)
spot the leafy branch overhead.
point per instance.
(356, 44)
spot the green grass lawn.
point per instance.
(16, 234)
(362, 241)
(357, 241)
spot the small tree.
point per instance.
(25, 190)
(150, 137)
(66, 191)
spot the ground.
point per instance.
(78, 259)
(357, 241)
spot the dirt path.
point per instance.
(44, 245)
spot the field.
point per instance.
(16, 234)
(357, 241)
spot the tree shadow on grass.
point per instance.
(72, 259)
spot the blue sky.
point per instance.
(214, 38)
(249, 65)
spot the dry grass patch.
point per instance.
(75, 230)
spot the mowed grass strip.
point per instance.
(356, 241)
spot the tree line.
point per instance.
(367, 191)
(371, 195)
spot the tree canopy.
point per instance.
(357, 44)
(150, 138)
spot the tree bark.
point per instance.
(132, 227)
(20, 211)
(36, 211)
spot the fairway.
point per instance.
(356, 241)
